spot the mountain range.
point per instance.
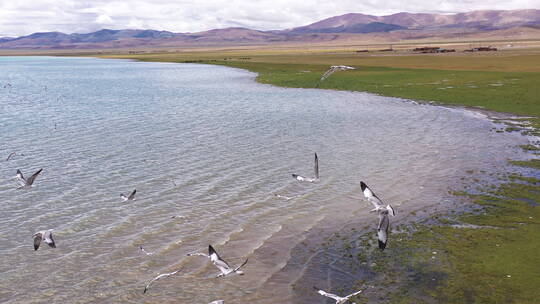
(353, 26)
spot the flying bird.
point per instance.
(217, 302)
(375, 200)
(145, 252)
(27, 183)
(332, 70)
(339, 300)
(130, 197)
(308, 179)
(220, 263)
(287, 198)
(43, 235)
(159, 277)
(382, 211)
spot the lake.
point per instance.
(207, 148)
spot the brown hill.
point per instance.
(346, 28)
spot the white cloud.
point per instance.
(27, 16)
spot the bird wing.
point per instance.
(237, 268)
(21, 178)
(10, 155)
(328, 72)
(298, 177)
(370, 196)
(217, 260)
(48, 238)
(31, 179)
(159, 277)
(316, 166)
(198, 253)
(382, 229)
(353, 294)
(391, 210)
(37, 240)
(326, 294)
(132, 195)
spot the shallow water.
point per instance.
(210, 146)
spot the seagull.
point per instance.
(287, 198)
(220, 263)
(46, 236)
(130, 197)
(27, 183)
(308, 179)
(339, 300)
(332, 70)
(145, 252)
(159, 277)
(383, 212)
(375, 200)
(217, 302)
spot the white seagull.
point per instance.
(339, 300)
(217, 302)
(159, 277)
(375, 200)
(287, 198)
(383, 212)
(308, 179)
(26, 183)
(220, 263)
(332, 70)
(46, 236)
(145, 252)
(130, 197)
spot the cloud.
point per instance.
(82, 16)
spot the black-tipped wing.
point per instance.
(382, 229)
(370, 196)
(238, 268)
(316, 166)
(391, 210)
(31, 179)
(20, 178)
(132, 195)
(298, 177)
(48, 238)
(37, 240)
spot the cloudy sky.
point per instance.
(22, 17)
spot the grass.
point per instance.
(438, 263)
(504, 81)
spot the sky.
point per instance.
(23, 17)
